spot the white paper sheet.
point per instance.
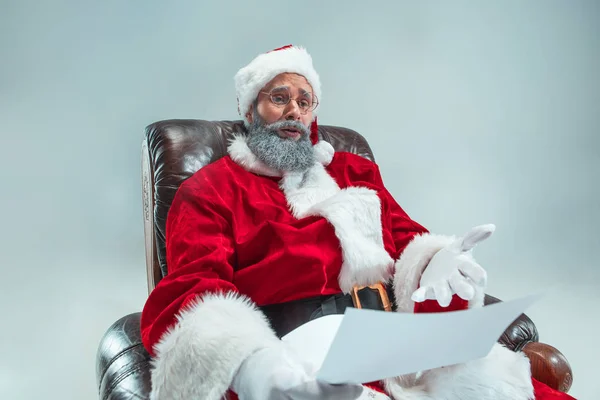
(365, 345)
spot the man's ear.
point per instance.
(250, 113)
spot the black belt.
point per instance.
(285, 317)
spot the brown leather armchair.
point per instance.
(172, 151)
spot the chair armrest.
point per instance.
(521, 332)
(122, 362)
(549, 366)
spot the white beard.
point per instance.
(281, 154)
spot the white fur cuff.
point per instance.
(502, 375)
(412, 263)
(197, 359)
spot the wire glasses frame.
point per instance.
(281, 97)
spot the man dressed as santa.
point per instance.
(284, 230)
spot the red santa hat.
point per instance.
(252, 78)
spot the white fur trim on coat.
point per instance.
(242, 155)
(252, 78)
(412, 263)
(197, 359)
(305, 189)
(355, 214)
(501, 375)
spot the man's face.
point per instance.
(279, 135)
(300, 93)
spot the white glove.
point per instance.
(277, 373)
(452, 270)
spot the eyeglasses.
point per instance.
(281, 98)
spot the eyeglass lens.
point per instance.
(281, 97)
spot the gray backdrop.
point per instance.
(477, 112)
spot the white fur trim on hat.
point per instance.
(255, 76)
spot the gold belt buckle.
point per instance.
(382, 293)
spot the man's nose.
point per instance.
(292, 111)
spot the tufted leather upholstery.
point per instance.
(171, 152)
(175, 149)
(122, 363)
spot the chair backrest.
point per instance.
(173, 150)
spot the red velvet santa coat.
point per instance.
(239, 234)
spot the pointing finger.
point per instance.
(476, 235)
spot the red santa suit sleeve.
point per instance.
(413, 248)
(195, 323)
(413, 253)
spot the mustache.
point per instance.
(275, 126)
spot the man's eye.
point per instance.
(279, 99)
(304, 103)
